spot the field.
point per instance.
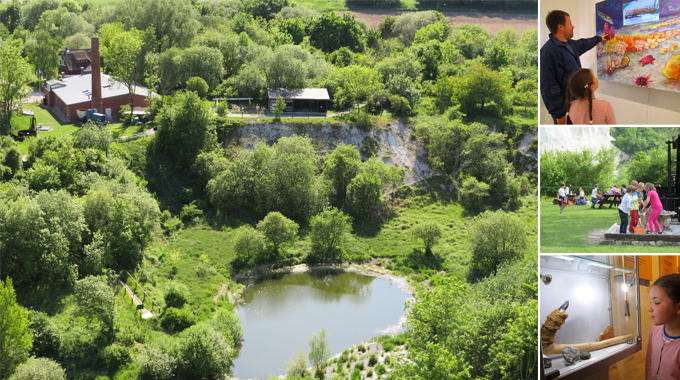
(580, 230)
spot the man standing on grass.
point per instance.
(559, 59)
(595, 197)
(563, 198)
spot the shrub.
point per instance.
(359, 365)
(297, 365)
(380, 369)
(399, 105)
(155, 364)
(388, 360)
(356, 375)
(176, 295)
(222, 109)
(369, 146)
(39, 368)
(206, 352)
(177, 320)
(198, 85)
(389, 346)
(115, 356)
(372, 360)
(369, 373)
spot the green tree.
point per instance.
(121, 52)
(329, 229)
(407, 25)
(278, 230)
(481, 86)
(526, 93)
(248, 244)
(265, 9)
(435, 362)
(39, 368)
(363, 193)
(205, 352)
(200, 61)
(249, 81)
(515, 352)
(473, 193)
(586, 166)
(359, 81)
(297, 365)
(173, 23)
(470, 39)
(95, 299)
(319, 350)
(497, 238)
(10, 158)
(42, 52)
(176, 294)
(287, 68)
(429, 233)
(280, 107)
(650, 166)
(15, 337)
(10, 15)
(186, 127)
(198, 85)
(339, 168)
(32, 11)
(330, 32)
(15, 75)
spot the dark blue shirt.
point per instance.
(558, 61)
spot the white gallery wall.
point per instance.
(632, 105)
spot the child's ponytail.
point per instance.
(579, 86)
(589, 93)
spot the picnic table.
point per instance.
(610, 199)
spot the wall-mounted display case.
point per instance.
(602, 291)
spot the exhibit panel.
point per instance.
(589, 306)
(633, 105)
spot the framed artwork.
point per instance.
(642, 49)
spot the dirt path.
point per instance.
(596, 236)
(492, 22)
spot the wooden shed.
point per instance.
(313, 100)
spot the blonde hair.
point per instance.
(579, 86)
(650, 187)
(634, 183)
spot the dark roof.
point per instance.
(75, 59)
(298, 93)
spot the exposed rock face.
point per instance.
(574, 138)
(396, 147)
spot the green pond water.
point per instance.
(279, 316)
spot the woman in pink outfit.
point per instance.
(586, 109)
(655, 203)
(663, 348)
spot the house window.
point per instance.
(61, 62)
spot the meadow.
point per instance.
(580, 228)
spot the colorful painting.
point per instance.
(642, 49)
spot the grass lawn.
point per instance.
(44, 116)
(568, 233)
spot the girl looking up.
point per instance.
(663, 348)
(583, 108)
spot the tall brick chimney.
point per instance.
(96, 77)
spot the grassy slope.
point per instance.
(47, 118)
(568, 233)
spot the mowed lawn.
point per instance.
(44, 116)
(569, 232)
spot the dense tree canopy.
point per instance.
(15, 337)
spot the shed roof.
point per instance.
(78, 89)
(75, 59)
(299, 93)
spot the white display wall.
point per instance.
(588, 310)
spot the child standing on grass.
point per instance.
(563, 198)
(624, 209)
(586, 109)
(642, 196)
(654, 202)
(663, 347)
(634, 203)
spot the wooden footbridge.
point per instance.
(145, 313)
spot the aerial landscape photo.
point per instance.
(268, 189)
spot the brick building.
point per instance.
(91, 89)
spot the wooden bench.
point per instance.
(610, 199)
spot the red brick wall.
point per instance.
(113, 103)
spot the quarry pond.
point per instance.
(280, 313)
